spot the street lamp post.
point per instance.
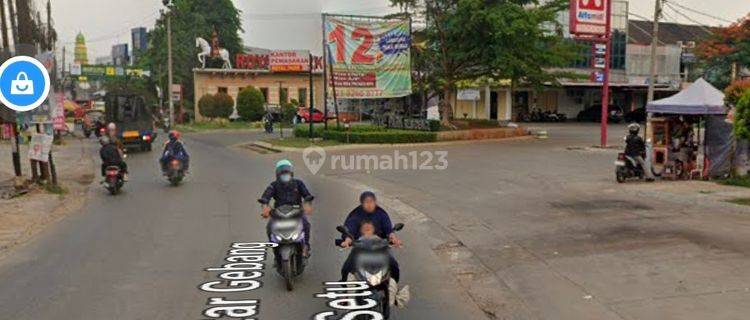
(169, 5)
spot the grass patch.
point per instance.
(367, 134)
(297, 142)
(58, 190)
(736, 181)
(740, 201)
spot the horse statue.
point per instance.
(206, 52)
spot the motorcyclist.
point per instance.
(174, 149)
(635, 148)
(111, 156)
(287, 190)
(368, 211)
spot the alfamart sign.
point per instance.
(370, 57)
(589, 17)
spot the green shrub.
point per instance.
(742, 116)
(288, 112)
(250, 102)
(224, 105)
(367, 134)
(207, 106)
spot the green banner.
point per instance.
(371, 57)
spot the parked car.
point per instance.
(594, 114)
(637, 115)
(303, 115)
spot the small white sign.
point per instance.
(75, 69)
(40, 147)
(468, 94)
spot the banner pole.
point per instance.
(325, 73)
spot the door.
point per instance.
(493, 105)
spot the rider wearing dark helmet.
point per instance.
(635, 148)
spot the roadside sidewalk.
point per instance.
(24, 216)
(694, 193)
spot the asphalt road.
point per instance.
(142, 254)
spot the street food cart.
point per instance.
(683, 148)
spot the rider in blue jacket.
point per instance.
(174, 149)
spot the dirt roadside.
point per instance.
(24, 216)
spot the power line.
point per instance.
(698, 24)
(701, 13)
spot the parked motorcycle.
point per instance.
(113, 179)
(175, 172)
(371, 265)
(287, 231)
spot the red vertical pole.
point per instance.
(605, 87)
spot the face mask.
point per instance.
(286, 177)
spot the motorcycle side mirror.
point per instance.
(344, 231)
(398, 227)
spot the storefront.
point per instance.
(277, 74)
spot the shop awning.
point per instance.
(700, 98)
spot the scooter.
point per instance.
(627, 168)
(287, 231)
(175, 172)
(113, 180)
(268, 125)
(371, 265)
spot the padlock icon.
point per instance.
(22, 85)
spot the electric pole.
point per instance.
(4, 26)
(170, 5)
(654, 45)
(13, 22)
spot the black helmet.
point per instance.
(634, 128)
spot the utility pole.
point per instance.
(13, 22)
(654, 45)
(170, 5)
(25, 23)
(281, 111)
(4, 26)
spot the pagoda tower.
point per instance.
(80, 52)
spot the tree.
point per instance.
(191, 19)
(726, 51)
(734, 92)
(250, 102)
(223, 105)
(207, 106)
(742, 116)
(503, 39)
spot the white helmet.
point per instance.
(111, 126)
(634, 128)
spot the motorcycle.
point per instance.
(371, 265)
(287, 232)
(175, 172)
(268, 125)
(627, 168)
(113, 179)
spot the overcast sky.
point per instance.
(288, 24)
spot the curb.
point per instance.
(383, 146)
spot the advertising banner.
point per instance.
(289, 61)
(588, 17)
(370, 57)
(40, 146)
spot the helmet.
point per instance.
(111, 126)
(634, 128)
(284, 166)
(174, 135)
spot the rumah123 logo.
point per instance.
(591, 4)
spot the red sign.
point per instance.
(588, 17)
(278, 61)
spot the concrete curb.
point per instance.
(385, 146)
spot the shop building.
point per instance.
(630, 63)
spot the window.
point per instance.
(284, 95)
(264, 91)
(223, 90)
(302, 96)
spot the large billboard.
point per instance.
(370, 57)
(589, 17)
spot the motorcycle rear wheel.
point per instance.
(620, 176)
